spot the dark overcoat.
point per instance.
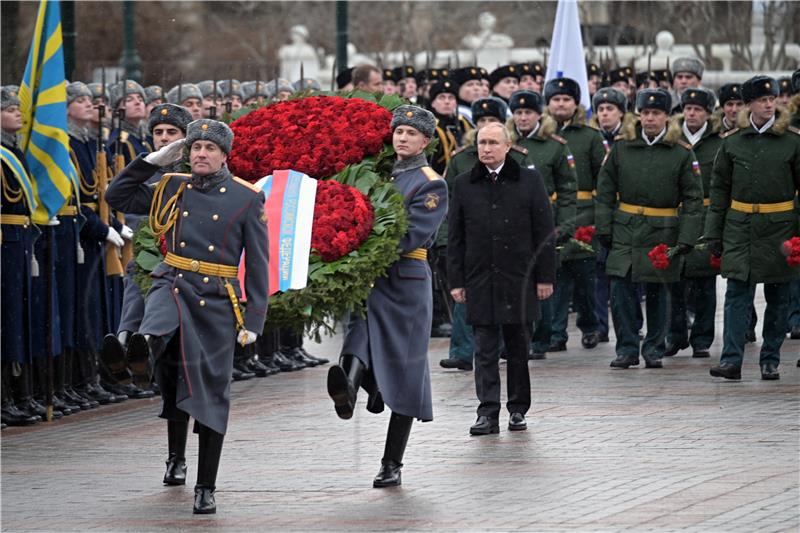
(219, 218)
(393, 338)
(500, 243)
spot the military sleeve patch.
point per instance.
(247, 184)
(431, 201)
(520, 149)
(558, 138)
(570, 161)
(696, 168)
(430, 174)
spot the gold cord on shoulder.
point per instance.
(162, 218)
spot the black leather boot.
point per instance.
(207, 467)
(112, 356)
(344, 380)
(23, 397)
(40, 391)
(374, 399)
(60, 383)
(142, 352)
(73, 378)
(11, 415)
(392, 462)
(177, 431)
(240, 370)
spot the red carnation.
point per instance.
(343, 219)
(715, 261)
(585, 234)
(791, 249)
(659, 257)
(162, 244)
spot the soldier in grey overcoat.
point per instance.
(192, 313)
(386, 352)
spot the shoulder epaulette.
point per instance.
(431, 174)
(247, 184)
(123, 136)
(619, 138)
(685, 145)
(458, 150)
(558, 138)
(794, 130)
(520, 149)
(729, 133)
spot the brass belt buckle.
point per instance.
(640, 210)
(756, 208)
(194, 265)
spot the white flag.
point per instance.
(567, 59)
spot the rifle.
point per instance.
(113, 264)
(212, 111)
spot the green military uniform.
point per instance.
(700, 277)
(549, 155)
(754, 184)
(639, 190)
(576, 274)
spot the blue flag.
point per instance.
(43, 103)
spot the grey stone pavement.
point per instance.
(606, 450)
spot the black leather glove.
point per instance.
(715, 247)
(562, 238)
(604, 240)
(683, 249)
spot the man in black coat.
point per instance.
(501, 262)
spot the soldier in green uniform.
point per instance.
(699, 280)
(730, 103)
(647, 175)
(576, 273)
(547, 153)
(753, 188)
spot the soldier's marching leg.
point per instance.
(775, 318)
(656, 311)
(678, 330)
(143, 351)
(392, 461)
(738, 303)
(209, 454)
(705, 298)
(624, 302)
(344, 380)
(177, 431)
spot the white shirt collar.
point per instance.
(727, 124)
(498, 169)
(765, 127)
(693, 138)
(654, 141)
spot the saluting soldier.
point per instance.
(698, 282)
(192, 317)
(187, 95)
(386, 352)
(610, 116)
(647, 175)
(576, 273)
(18, 234)
(549, 155)
(754, 185)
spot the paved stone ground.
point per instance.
(606, 450)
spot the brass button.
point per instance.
(205, 279)
(222, 189)
(210, 247)
(180, 274)
(186, 213)
(202, 303)
(176, 290)
(189, 186)
(214, 217)
(183, 244)
(194, 265)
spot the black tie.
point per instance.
(493, 175)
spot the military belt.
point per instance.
(90, 205)
(68, 210)
(648, 211)
(586, 195)
(201, 267)
(778, 207)
(419, 253)
(15, 220)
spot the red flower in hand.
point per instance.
(659, 257)
(791, 249)
(585, 234)
(715, 261)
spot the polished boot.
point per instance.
(112, 355)
(60, 383)
(142, 352)
(319, 360)
(299, 356)
(375, 403)
(344, 380)
(769, 371)
(207, 467)
(623, 361)
(286, 364)
(40, 392)
(727, 371)
(176, 460)
(24, 395)
(11, 415)
(72, 378)
(392, 462)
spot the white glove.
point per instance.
(126, 232)
(246, 337)
(53, 222)
(114, 238)
(166, 155)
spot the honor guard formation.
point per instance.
(530, 211)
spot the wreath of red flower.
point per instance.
(317, 135)
(792, 250)
(343, 219)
